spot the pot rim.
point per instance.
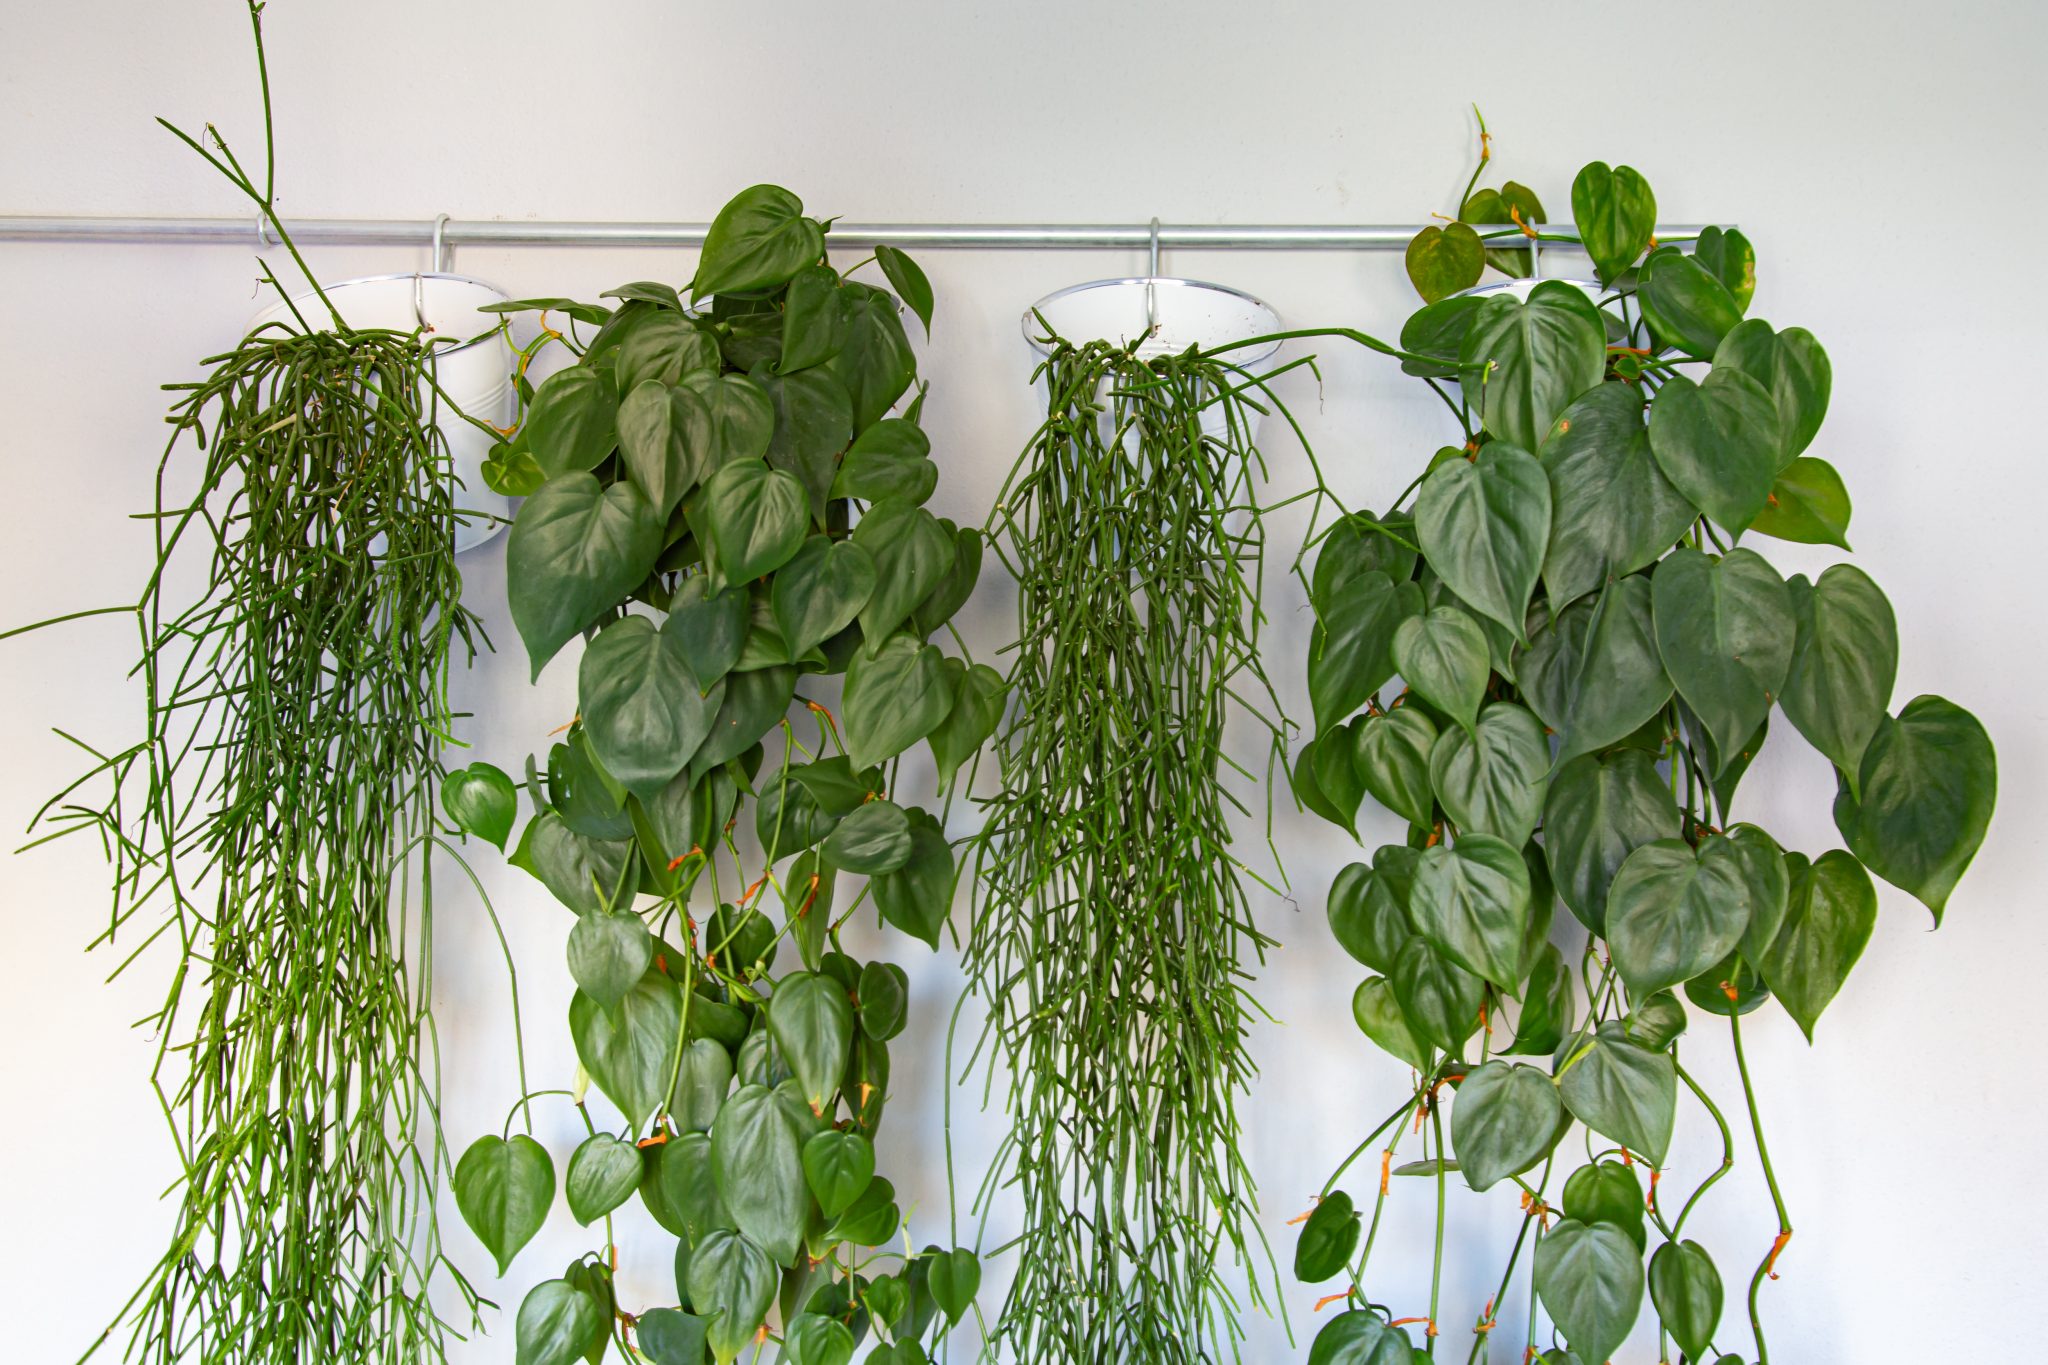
(1033, 337)
(418, 276)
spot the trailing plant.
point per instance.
(297, 632)
(1115, 934)
(1589, 662)
(722, 505)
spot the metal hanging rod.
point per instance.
(449, 233)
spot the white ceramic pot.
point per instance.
(472, 364)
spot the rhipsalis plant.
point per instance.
(722, 505)
(1114, 934)
(1589, 661)
(297, 634)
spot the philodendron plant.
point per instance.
(720, 501)
(1591, 644)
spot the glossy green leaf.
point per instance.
(1528, 362)
(503, 1187)
(872, 840)
(1616, 215)
(872, 1219)
(1444, 260)
(665, 349)
(977, 709)
(1807, 504)
(838, 1167)
(1674, 911)
(754, 702)
(1548, 1007)
(1472, 901)
(1686, 1290)
(955, 1278)
(813, 1339)
(1373, 927)
(758, 240)
(576, 549)
(1442, 655)
(888, 462)
(732, 1283)
(1504, 1121)
(918, 896)
(702, 1080)
(1337, 778)
(1437, 331)
(1626, 1092)
(875, 363)
(754, 520)
(1612, 509)
(893, 699)
(812, 1022)
(1686, 303)
(1492, 779)
(1607, 1192)
(603, 1173)
(1656, 1022)
(1596, 674)
(1327, 1239)
(1845, 656)
(1351, 652)
(1506, 205)
(818, 593)
(668, 1336)
(1792, 368)
(572, 424)
(1590, 1278)
(1830, 912)
(481, 800)
(665, 441)
(909, 282)
(1927, 782)
(642, 707)
(883, 997)
(1730, 987)
(1359, 1337)
(629, 1050)
(1484, 525)
(1358, 544)
(709, 628)
(1729, 258)
(757, 1155)
(1599, 810)
(555, 1321)
(912, 553)
(609, 951)
(813, 319)
(681, 1189)
(585, 874)
(1725, 630)
(1390, 753)
(1439, 998)
(956, 585)
(741, 414)
(1719, 442)
(1378, 1013)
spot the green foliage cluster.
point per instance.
(720, 503)
(1589, 664)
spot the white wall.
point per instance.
(1879, 155)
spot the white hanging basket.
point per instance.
(472, 363)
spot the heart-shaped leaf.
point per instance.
(732, 1283)
(1629, 1093)
(1600, 809)
(643, 709)
(1594, 674)
(818, 593)
(754, 702)
(912, 552)
(1368, 907)
(665, 439)
(1686, 1290)
(1484, 525)
(1725, 630)
(1359, 544)
(1674, 911)
(603, 1173)
(1360, 1337)
(873, 840)
(813, 319)
(1548, 1006)
(1378, 1013)
(1792, 368)
(1829, 914)
(573, 422)
(1808, 504)
(1328, 1238)
(665, 348)
(609, 951)
(977, 709)
(702, 1081)
(1687, 304)
(1444, 260)
(584, 874)
(888, 463)
(909, 280)
(1390, 753)
(814, 1339)
(754, 519)
(481, 800)
(918, 896)
(758, 240)
(708, 628)
(1351, 652)
(1491, 780)
(1845, 656)
(1616, 215)
(955, 1278)
(1337, 781)
(1719, 442)
(668, 1336)
(576, 549)
(742, 418)
(1442, 655)
(1472, 901)
(838, 1167)
(1504, 1121)
(1927, 783)
(1528, 362)
(1590, 1277)
(1607, 1192)
(503, 1187)
(884, 1000)
(875, 362)
(1729, 258)
(555, 1325)
(813, 421)
(1612, 509)
(629, 1050)
(757, 1155)
(893, 699)
(1439, 998)
(956, 585)
(812, 1022)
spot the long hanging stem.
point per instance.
(1114, 927)
(1763, 1154)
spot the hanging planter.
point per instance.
(1114, 930)
(468, 372)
